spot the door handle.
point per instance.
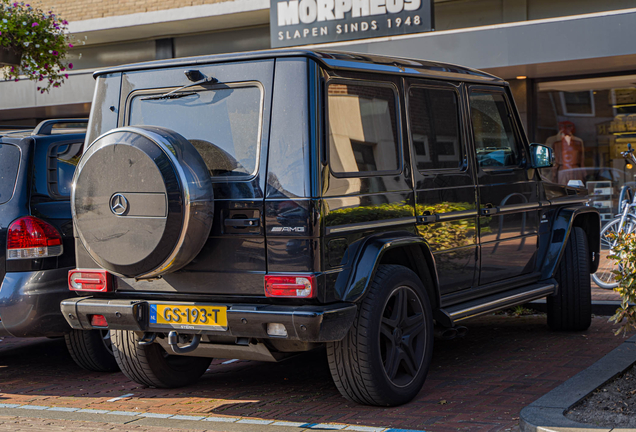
(241, 222)
(489, 210)
(426, 218)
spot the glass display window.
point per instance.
(588, 122)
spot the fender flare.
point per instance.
(587, 218)
(353, 282)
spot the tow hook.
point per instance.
(173, 340)
(147, 339)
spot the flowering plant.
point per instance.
(42, 40)
(624, 254)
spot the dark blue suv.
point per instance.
(36, 237)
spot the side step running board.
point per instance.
(499, 301)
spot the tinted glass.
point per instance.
(223, 124)
(9, 163)
(434, 117)
(362, 129)
(495, 141)
(66, 158)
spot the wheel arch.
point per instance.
(402, 249)
(567, 218)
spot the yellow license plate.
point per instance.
(189, 316)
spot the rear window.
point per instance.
(63, 160)
(222, 122)
(9, 163)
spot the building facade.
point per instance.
(571, 64)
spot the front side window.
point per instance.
(495, 141)
(222, 122)
(363, 131)
(434, 119)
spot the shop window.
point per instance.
(494, 136)
(434, 120)
(363, 133)
(588, 123)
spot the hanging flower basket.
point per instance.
(9, 56)
(33, 45)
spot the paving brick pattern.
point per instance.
(600, 294)
(479, 383)
(22, 424)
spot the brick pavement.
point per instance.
(23, 424)
(479, 383)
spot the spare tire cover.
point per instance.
(142, 201)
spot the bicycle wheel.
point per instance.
(604, 276)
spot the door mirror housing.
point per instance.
(542, 156)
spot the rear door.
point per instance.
(509, 205)
(444, 185)
(227, 122)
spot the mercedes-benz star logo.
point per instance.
(118, 204)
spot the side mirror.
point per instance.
(541, 156)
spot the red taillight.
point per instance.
(30, 237)
(98, 321)
(90, 280)
(297, 286)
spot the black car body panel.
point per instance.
(478, 220)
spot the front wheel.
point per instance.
(570, 308)
(151, 365)
(604, 276)
(385, 357)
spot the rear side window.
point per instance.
(363, 129)
(9, 164)
(434, 119)
(495, 141)
(222, 122)
(63, 160)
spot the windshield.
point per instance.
(222, 122)
(9, 163)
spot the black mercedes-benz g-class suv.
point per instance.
(258, 205)
(37, 248)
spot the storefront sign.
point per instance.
(302, 22)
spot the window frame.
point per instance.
(512, 115)
(238, 84)
(398, 125)
(462, 142)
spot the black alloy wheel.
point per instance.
(401, 347)
(385, 357)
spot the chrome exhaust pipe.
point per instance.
(445, 333)
(461, 331)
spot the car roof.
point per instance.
(336, 60)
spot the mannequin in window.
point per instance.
(569, 154)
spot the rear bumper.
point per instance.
(30, 303)
(309, 323)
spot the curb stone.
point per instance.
(548, 412)
(228, 424)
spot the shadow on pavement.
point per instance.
(477, 383)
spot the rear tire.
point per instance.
(92, 350)
(151, 365)
(385, 357)
(571, 308)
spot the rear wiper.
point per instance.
(170, 95)
(174, 93)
